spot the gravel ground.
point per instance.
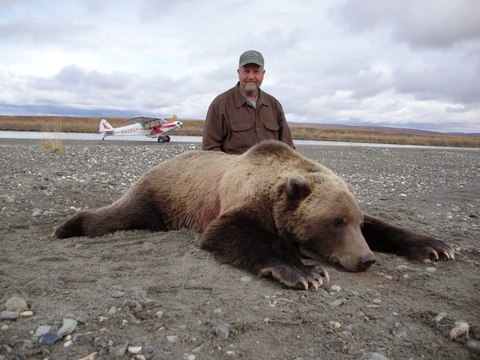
(142, 295)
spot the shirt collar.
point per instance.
(240, 100)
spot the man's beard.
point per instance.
(250, 88)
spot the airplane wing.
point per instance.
(148, 122)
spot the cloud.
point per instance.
(428, 23)
(452, 83)
(442, 60)
(79, 88)
(383, 62)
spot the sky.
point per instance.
(406, 64)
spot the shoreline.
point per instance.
(67, 136)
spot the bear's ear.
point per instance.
(351, 188)
(297, 187)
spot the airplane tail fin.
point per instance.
(105, 127)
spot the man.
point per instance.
(245, 115)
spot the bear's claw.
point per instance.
(435, 250)
(305, 278)
(447, 253)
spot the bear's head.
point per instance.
(320, 214)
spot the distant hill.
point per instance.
(385, 129)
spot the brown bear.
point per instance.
(258, 211)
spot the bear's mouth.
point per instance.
(311, 258)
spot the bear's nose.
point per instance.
(366, 261)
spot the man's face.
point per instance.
(251, 77)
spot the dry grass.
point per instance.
(384, 137)
(53, 143)
(195, 128)
(66, 123)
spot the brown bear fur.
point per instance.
(255, 211)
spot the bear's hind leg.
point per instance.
(73, 226)
(236, 238)
(128, 213)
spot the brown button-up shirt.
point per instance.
(233, 125)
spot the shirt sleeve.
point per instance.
(213, 137)
(284, 134)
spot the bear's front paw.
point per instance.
(305, 278)
(429, 248)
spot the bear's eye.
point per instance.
(340, 222)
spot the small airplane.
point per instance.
(143, 125)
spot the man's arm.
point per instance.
(284, 133)
(212, 139)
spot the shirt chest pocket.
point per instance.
(240, 127)
(272, 126)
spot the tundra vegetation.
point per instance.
(299, 131)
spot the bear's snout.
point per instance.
(366, 261)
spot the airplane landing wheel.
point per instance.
(161, 139)
(167, 138)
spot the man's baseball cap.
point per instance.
(251, 57)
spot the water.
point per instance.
(194, 139)
(78, 136)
